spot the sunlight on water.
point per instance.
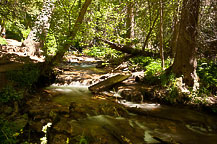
(146, 106)
(69, 88)
(64, 90)
(72, 84)
(68, 94)
(88, 65)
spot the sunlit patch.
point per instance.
(99, 97)
(44, 129)
(90, 59)
(73, 60)
(88, 65)
(64, 90)
(146, 106)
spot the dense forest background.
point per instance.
(174, 42)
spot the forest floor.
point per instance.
(130, 112)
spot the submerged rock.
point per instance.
(132, 95)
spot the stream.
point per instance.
(76, 115)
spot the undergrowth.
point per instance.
(154, 75)
(207, 72)
(7, 132)
(20, 82)
(9, 94)
(26, 77)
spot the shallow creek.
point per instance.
(161, 124)
(78, 116)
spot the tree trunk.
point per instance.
(41, 26)
(2, 29)
(59, 55)
(130, 23)
(46, 73)
(185, 62)
(149, 33)
(161, 35)
(175, 34)
(42, 23)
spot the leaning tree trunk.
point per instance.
(185, 62)
(59, 55)
(46, 73)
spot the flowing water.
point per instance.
(159, 124)
(89, 118)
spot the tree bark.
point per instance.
(130, 22)
(161, 35)
(185, 62)
(173, 42)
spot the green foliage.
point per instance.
(25, 33)
(2, 41)
(9, 94)
(50, 45)
(141, 61)
(172, 96)
(83, 140)
(102, 52)
(153, 70)
(7, 132)
(26, 76)
(208, 76)
(151, 65)
(16, 30)
(167, 79)
(155, 67)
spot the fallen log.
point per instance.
(130, 50)
(108, 83)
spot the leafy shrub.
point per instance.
(141, 61)
(14, 30)
(207, 74)
(17, 30)
(25, 33)
(2, 41)
(25, 77)
(155, 66)
(173, 94)
(9, 94)
(153, 70)
(167, 79)
(7, 133)
(151, 65)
